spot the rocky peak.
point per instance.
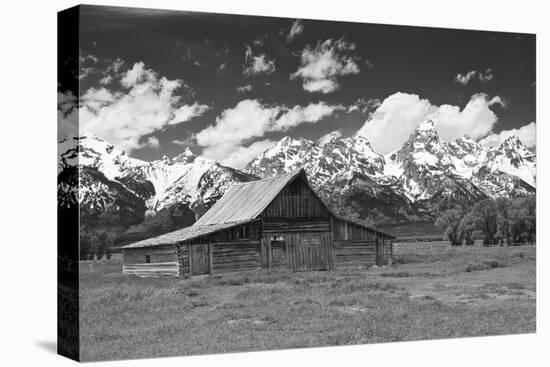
(512, 152)
(427, 125)
(514, 146)
(187, 156)
(463, 146)
(423, 138)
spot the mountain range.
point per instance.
(410, 184)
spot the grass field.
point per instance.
(432, 291)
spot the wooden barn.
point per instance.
(278, 222)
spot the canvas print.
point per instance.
(232, 183)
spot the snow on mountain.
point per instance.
(93, 152)
(465, 154)
(108, 174)
(513, 158)
(285, 156)
(340, 155)
(411, 183)
(425, 172)
(418, 164)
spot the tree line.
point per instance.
(100, 232)
(499, 221)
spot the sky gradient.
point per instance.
(229, 86)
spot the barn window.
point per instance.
(315, 239)
(305, 209)
(244, 232)
(147, 259)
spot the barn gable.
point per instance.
(296, 201)
(246, 201)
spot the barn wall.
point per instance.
(388, 249)
(224, 257)
(272, 226)
(233, 249)
(296, 200)
(344, 230)
(235, 256)
(357, 245)
(163, 261)
(358, 252)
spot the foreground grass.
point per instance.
(427, 294)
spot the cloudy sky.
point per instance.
(154, 82)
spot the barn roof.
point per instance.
(183, 234)
(245, 201)
(242, 203)
(343, 219)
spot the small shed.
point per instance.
(277, 222)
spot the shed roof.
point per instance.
(245, 201)
(183, 234)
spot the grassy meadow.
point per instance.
(432, 291)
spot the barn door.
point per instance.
(310, 252)
(200, 259)
(278, 251)
(380, 252)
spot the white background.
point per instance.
(28, 179)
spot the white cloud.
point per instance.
(311, 113)
(364, 105)
(255, 65)
(251, 119)
(244, 88)
(322, 65)
(399, 114)
(138, 75)
(187, 112)
(82, 58)
(189, 141)
(85, 72)
(87, 65)
(476, 119)
(222, 67)
(67, 114)
(148, 103)
(152, 142)
(258, 42)
(473, 74)
(323, 140)
(296, 29)
(106, 80)
(527, 134)
(239, 157)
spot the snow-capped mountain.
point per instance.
(108, 176)
(287, 155)
(424, 175)
(507, 170)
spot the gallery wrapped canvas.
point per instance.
(232, 183)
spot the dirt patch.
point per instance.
(406, 274)
(423, 297)
(245, 321)
(485, 265)
(352, 309)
